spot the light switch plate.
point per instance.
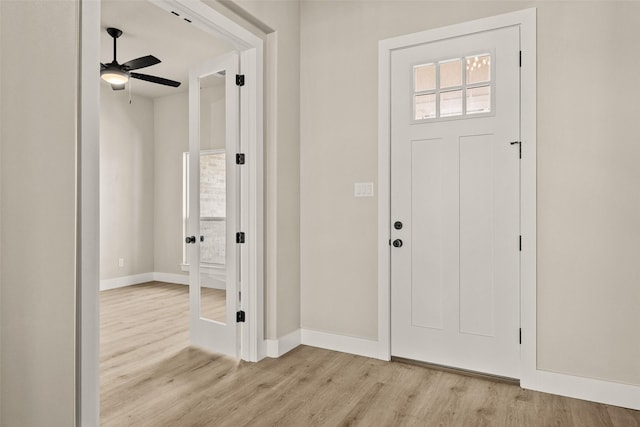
(363, 189)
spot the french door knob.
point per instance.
(397, 243)
(397, 225)
(190, 239)
(202, 238)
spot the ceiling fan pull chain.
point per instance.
(130, 83)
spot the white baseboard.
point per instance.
(183, 279)
(180, 279)
(342, 343)
(282, 345)
(121, 282)
(610, 393)
(136, 279)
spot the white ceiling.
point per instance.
(150, 30)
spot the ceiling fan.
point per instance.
(118, 74)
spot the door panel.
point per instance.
(427, 158)
(212, 213)
(455, 186)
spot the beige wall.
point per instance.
(171, 132)
(282, 164)
(588, 204)
(126, 183)
(38, 139)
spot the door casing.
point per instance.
(526, 21)
(251, 49)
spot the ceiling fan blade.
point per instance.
(118, 87)
(102, 66)
(154, 79)
(142, 62)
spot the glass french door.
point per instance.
(212, 203)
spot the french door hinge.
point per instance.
(240, 316)
(520, 59)
(239, 79)
(239, 158)
(240, 237)
(520, 244)
(520, 335)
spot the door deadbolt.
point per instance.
(397, 225)
(397, 243)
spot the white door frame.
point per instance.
(526, 20)
(88, 208)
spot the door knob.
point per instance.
(397, 225)
(397, 243)
(202, 238)
(190, 239)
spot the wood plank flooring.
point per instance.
(151, 377)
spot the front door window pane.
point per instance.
(478, 69)
(451, 103)
(425, 106)
(479, 100)
(425, 77)
(451, 73)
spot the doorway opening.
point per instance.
(153, 178)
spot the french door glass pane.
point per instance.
(213, 196)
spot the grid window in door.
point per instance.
(455, 87)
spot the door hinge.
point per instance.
(520, 335)
(240, 316)
(239, 158)
(519, 147)
(520, 244)
(521, 59)
(240, 237)
(239, 79)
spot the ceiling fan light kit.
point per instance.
(114, 76)
(118, 74)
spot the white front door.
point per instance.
(455, 112)
(213, 180)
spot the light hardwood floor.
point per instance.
(151, 377)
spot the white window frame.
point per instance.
(464, 86)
